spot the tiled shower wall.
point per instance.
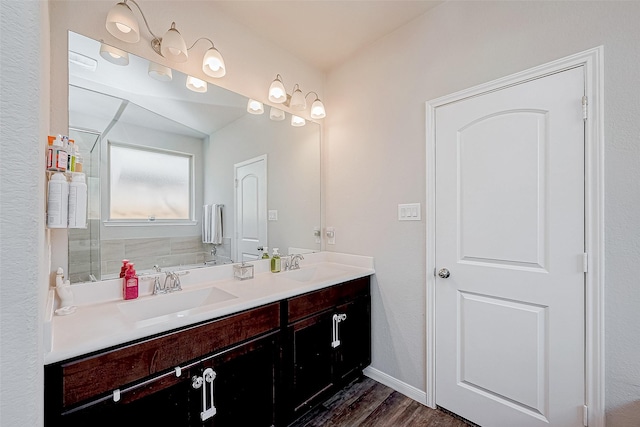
(164, 252)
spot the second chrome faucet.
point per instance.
(293, 262)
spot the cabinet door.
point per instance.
(168, 406)
(244, 386)
(354, 352)
(312, 360)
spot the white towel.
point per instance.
(212, 224)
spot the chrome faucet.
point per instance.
(294, 262)
(174, 282)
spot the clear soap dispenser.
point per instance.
(275, 261)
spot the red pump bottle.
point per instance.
(130, 283)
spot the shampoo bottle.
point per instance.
(275, 261)
(78, 202)
(57, 201)
(130, 283)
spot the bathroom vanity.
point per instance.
(263, 358)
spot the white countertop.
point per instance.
(99, 322)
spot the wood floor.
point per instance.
(367, 403)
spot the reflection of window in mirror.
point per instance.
(149, 184)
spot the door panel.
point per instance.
(510, 230)
(516, 348)
(251, 208)
(502, 220)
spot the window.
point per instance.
(149, 184)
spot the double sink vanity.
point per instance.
(220, 352)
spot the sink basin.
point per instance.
(312, 273)
(160, 308)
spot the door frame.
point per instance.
(236, 166)
(592, 61)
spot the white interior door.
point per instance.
(510, 236)
(251, 207)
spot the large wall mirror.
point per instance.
(158, 155)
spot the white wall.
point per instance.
(293, 175)
(24, 119)
(375, 157)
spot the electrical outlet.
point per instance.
(273, 215)
(331, 236)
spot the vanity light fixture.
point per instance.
(297, 100)
(276, 115)
(122, 24)
(160, 72)
(317, 108)
(114, 55)
(196, 85)
(277, 92)
(255, 107)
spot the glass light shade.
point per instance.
(114, 55)
(297, 121)
(83, 61)
(276, 115)
(277, 93)
(255, 107)
(213, 64)
(122, 24)
(173, 46)
(317, 110)
(160, 72)
(297, 100)
(196, 85)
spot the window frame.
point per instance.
(131, 222)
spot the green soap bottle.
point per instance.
(265, 253)
(275, 261)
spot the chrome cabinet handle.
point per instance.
(443, 273)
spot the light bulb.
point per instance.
(255, 107)
(276, 115)
(298, 102)
(196, 85)
(213, 64)
(317, 110)
(125, 29)
(277, 93)
(297, 121)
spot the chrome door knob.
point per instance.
(443, 273)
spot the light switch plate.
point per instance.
(409, 212)
(273, 215)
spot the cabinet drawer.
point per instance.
(101, 373)
(324, 299)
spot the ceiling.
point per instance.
(324, 33)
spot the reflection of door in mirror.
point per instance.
(251, 207)
(84, 243)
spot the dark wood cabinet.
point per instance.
(243, 350)
(262, 367)
(328, 347)
(244, 387)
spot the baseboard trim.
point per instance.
(399, 386)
